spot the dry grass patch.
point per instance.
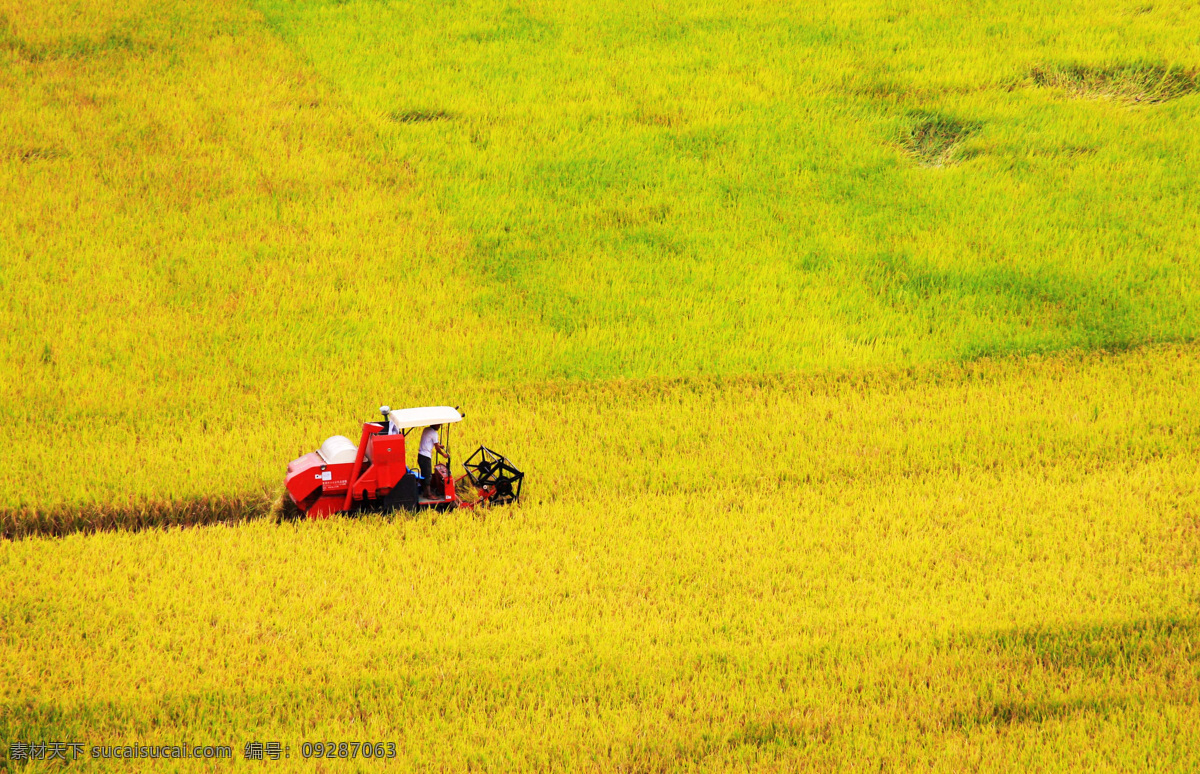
(64, 519)
(1135, 83)
(935, 140)
(420, 116)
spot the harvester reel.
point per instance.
(491, 472)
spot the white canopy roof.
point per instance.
(403, 419)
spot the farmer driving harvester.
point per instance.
(430, 443)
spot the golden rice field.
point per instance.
(989, 566)
(849, 350)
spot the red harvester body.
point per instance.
(374, 476)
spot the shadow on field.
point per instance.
(1013, 713)
(1095, 670)
(1100, 317)
(420, 116)
(994, 680)
(1122, 646)
(1116, 672)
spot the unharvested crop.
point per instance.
(229, 228)
(851, 366)
(987, 566)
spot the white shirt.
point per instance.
(429, 437)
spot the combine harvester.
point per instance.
(373, 476)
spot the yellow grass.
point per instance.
(718, 278)
(988, 566)
(195, 238)
(227, 230)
